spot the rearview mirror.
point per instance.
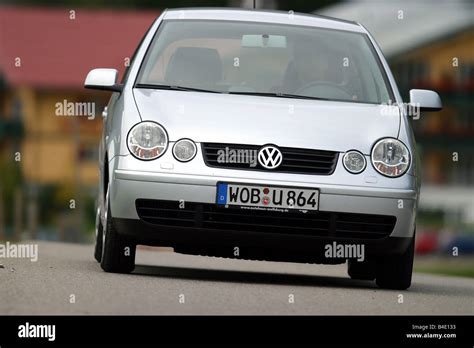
(425, 99)
(103, 79)
(273, 41)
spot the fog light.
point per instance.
(184, 150)
(354, 161)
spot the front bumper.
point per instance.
(127, 186)
(252, 245)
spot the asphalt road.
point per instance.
(210, 286)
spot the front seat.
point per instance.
(196, 67)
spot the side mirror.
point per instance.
(425, 99)
(103, 79)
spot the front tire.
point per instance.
(98, 237)
(118, 252)
(364, 270)
(395, 272)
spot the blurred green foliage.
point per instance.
(10, 180)
(457, 267)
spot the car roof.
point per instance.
(263, 16)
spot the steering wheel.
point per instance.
(324, 89)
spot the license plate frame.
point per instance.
(223, 192)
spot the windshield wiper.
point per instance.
(174, 88)
(279, 95)
(192, 89)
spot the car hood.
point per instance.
(223, 118)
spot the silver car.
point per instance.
(260, 135)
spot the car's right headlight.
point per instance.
(147, 140)
(390, 157)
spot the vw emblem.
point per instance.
(270, 157)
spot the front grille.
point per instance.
(209, 216)
(295, 160)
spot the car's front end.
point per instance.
(175, 203)
(221, 143)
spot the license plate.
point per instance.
(267, 197)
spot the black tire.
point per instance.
(98, 239)
(365, 270)
(395, 272)
(118, 254)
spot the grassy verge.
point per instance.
(460, 267)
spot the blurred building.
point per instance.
(430, 45)
(49, 118)
(45, 55)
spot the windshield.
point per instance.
(264, 59)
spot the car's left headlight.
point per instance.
(147, 140)
(390, 157)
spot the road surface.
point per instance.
(67, 280)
